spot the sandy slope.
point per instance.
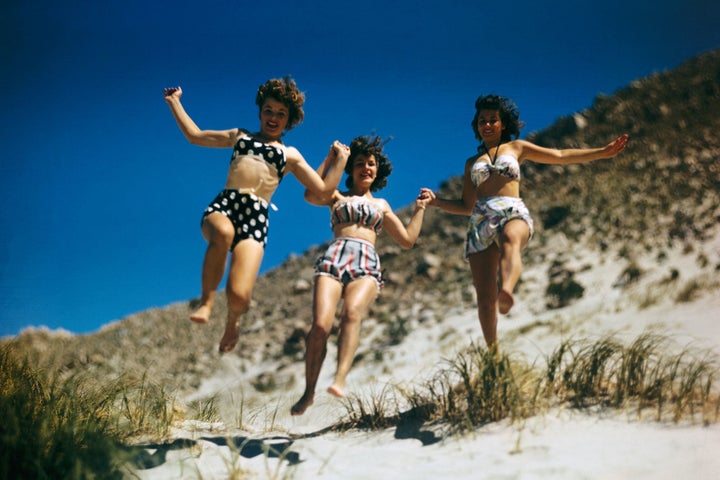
(562, 444)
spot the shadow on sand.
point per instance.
(273, 447)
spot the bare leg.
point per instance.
(327, 294)
(218, 231)
(244, 267)
(515, 237)
(484, 267)
(359, 294)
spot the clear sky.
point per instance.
(102, 195)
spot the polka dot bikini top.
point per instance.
(274, 156)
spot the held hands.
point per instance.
(616, 146)
(425, 198)
(338, 151)
(172, 93)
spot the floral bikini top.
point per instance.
(505, 165)
(356, 210)
(274, 156)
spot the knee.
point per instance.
(221, 235)
(238, 299)
(352, 314)
(319, 332)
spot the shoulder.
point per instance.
(516, 148)
(292, 154)
(383, 205)
(471, 160)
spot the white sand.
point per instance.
(561, 444)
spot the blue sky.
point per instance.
(102, 195)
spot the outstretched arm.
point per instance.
(320, 185)
(530, 151)
(459, 206)
(196, 136)
(406, 236)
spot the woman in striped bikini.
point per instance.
(349, 270)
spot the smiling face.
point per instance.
(274, 117)
(490, 126)
(364, 171)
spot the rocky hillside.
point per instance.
(662, 193)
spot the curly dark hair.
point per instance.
(285, 91)
(509, 114)
(369, 145)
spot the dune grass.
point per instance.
(77, 428)
(52, 429)
(480, 386)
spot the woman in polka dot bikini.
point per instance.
(236, 221)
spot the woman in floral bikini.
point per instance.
(500, 225)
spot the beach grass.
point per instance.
(55, 429)
(79, 428)
(480, 386)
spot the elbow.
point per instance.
(407, 244)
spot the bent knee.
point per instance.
(238, 299)
(219, 231)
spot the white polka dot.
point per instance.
(252, 222)
(258, 234)
(236, 206)
(261, 217)
(248, 211)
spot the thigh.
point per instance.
(216, 225)
(484, 267)
(245, 265)
(516, 232)
(360, 293)
(326, 296)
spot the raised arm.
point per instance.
(535, 153)
(459, 206)
(406, 236)
(320, 185)
(196, 136)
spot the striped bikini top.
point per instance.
(505, 165)
(358, 210)
(274, 156)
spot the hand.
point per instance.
(172, 93)
(425, 198)
(616, 146)
(339, 150)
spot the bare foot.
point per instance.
(336, 391)
(202, 314)
(505, 302)
(302, 405)
(230, 337)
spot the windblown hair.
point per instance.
(509, 114)
(369, 145)
(285, 91)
